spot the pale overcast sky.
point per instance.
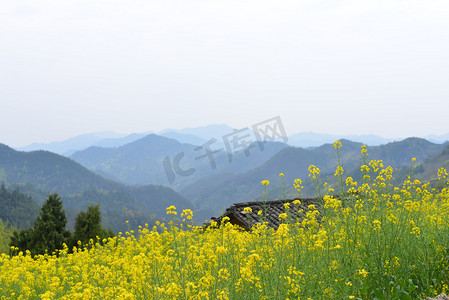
(340, 67)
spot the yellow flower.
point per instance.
(338, 171)
(171, 210)
(282, 216)
(282, 229)
(364, 168)
(415, 231)
(286, 205)
(314, 171)
(363, 272)
(363, 150)
(337, 144)
(259, 212)
(247, 209)
(376, 225)
(265, 182)
(281, 174)
(442, 173)
(297, 202)
(414, 159)
(297, 185)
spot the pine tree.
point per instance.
(88, 225)
(49, 229)
(49, 232)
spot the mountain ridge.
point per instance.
(49, 172)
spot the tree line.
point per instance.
(49, 232)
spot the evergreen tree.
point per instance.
(49, 232)
(49, 228)
(22, 239)
(88, 225)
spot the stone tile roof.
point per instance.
(273, 209)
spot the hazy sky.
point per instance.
(340, 67)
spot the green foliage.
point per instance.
(16, 208)
(49, 232)
(88, 226)
(116, 207)
(6, 231)
(49, 228)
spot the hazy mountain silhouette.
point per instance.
(438, 138)
(311, 139)
(147, 160)
(184, 138)
(204, 132)
(72, 144)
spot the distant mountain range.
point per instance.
(152, 160)
(70, 145)
(311, 139)
(200, 135)
(49, 172)
(137, 176)
(205, 132)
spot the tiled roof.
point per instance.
(273, 209)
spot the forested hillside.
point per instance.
(17, 209)
(40, 173)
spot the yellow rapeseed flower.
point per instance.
(363, 150)
(442, 173)
(363, 272)
(337, 144)
(282, 216)
(247, 210)
(339, 171)
(171, 210)
(314, 171)
(265, 182)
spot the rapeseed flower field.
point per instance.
(373, 241)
